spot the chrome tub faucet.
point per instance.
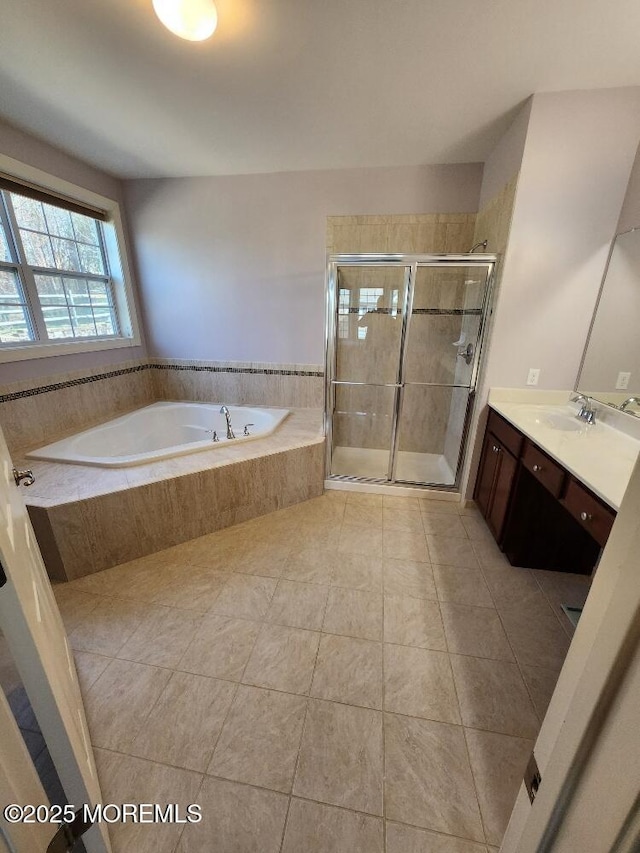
(224, 411)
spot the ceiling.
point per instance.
(300, 84)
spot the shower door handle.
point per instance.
(467, 353)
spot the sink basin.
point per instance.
(560, 421)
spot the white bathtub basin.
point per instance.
(160, 431)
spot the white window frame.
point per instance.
(115, 249)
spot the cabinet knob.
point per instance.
(585, 516)
(495, 449)
(537, 468)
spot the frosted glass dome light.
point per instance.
(194, 20)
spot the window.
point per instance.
(55, 282)
(65, 285)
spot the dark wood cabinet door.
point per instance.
(502, 487)
(486, 475)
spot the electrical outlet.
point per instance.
(534, 375)
(623, 381)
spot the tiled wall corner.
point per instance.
(36, 413)
(240, 383)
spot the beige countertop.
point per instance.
(601, 456)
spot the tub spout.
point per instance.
(224, 411)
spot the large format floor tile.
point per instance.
(408, 577)
(299, 605)
(348, 670)
(184, 724)
(410, 839)
(283, 659)
(260, 739)
(498, 763)
(419, 683)
(162, 637)
(236, 819)
(428, 778)
(220, 647)
(493, 696)
(119, 701)
(354, 613)
(124, 779)
(316, 828)
(254, 671)
(413, 622)
(341, 757)
(475, 631)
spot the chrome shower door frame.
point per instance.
(411, 263)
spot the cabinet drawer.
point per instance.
(543, 468)
(506, 434)
(594, 515)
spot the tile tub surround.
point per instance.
(47, 409)
(87, 519)
(244, 687)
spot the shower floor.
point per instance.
(411, 467)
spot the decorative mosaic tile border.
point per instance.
(451, 311)
(394, 312)
(68, 383)
(266, 371)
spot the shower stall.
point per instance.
(404, 341)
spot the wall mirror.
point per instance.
(610, 370)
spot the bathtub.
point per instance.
(158, 432)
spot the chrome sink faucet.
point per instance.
(586, 412)
(224, 411)
(628, 402)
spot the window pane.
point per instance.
(77, 291)
(83, 323)
(5, 254)
(65, 253)
(9, 287)
(58, 322)
(14, 326)
(58, 221)
(29, 213)
(91, 259)
(14, 322)
(86, 229)
(50, 290)
(105, 322)
(100, 294)
(37, 249)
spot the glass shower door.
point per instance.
(369, 316)
(438, 371)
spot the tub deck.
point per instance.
(87, 518)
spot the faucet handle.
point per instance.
(246, 429)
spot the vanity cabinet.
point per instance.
(495, 481)
(541, 516)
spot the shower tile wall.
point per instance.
(366, 412)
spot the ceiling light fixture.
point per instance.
(194, 20)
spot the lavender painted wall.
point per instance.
(577, 158)
(630, 215)
(35, 152)
(232, 268)
(578, 155)
(506, 158)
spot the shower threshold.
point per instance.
(411, 467)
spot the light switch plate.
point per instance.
(623, 381)
(534, 375)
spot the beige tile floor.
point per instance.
(355, 674)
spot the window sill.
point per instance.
(50, 350)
